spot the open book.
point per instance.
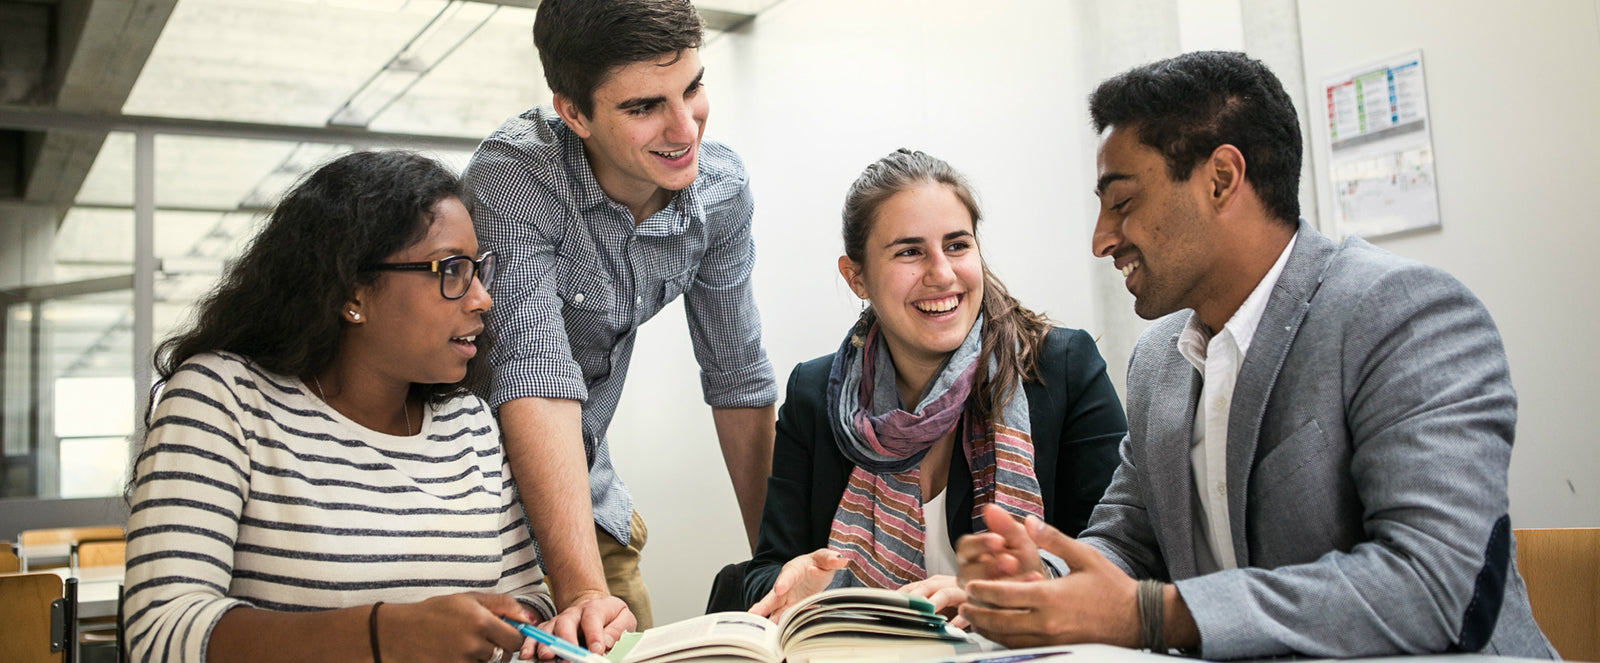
(836, 625)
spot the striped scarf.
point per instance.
(878, 526)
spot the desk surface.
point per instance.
(97, 589)
(1113, 654)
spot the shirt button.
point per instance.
(638, 299)
(1222, 488)
(578, 298)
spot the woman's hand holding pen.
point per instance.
(457, 627)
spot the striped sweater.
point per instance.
(251, 491)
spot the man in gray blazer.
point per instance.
(1318, 433)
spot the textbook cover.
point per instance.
(839, 624)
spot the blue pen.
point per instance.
(561, 647)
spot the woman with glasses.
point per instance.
(316, 482)
(946, 396)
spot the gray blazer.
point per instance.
(1370, 432)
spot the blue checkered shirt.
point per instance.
(577, 278)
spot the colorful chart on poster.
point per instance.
(1380, 149)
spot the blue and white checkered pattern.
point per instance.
(577, 278)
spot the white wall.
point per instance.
(1513, 90)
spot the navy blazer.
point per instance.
(1077, 423)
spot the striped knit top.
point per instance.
(251, 491)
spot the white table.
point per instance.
(1111, 654)
(97, 589)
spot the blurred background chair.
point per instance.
(1562, 570)
(99, 552)
(99, 563)
(37, 621)
(47, 548)
(8, 558)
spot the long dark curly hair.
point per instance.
(279, 304)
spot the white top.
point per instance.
(252, 491)
(938, 556)
(1218, 359)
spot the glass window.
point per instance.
(68, 406)
(68, 401)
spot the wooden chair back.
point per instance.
(25, 620)
(63, 539)
(101, 552)
(39, 537)
(1562, 570)
(8, 558)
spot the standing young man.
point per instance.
(1318, 434)
(604, 209)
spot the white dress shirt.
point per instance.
(1218, 359)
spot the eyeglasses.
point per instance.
(455, 272)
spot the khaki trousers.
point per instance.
(621, 563)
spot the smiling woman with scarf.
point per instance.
(946, 396)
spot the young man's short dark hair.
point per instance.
(1188, 106)
(581, 41)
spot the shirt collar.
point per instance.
(1193, 340)
(586, 189)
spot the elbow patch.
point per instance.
(1477, 624)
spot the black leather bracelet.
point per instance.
(372, 632)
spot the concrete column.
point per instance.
(1117, 35)
(1272, 35)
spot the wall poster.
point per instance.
(1380, 149)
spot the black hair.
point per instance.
(279, 304)
(580, 42)
(1188, 106)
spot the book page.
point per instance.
(861, 596)
(727, 632)
(862, 610)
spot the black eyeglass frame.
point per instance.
(437, 267)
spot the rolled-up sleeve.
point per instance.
(724, 324)
(518, 218)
